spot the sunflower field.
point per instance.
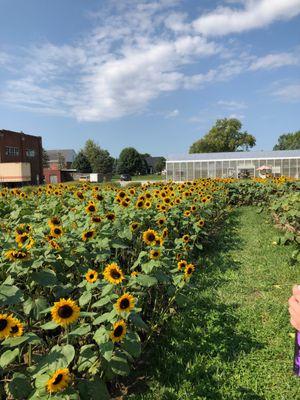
(89, 274)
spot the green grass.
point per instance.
(150, 177)
(232, 340)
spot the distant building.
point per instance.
(234, 165)
(61, 159)
(151, 163)
(21, 159)
(60, 166)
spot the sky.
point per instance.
(151, 74)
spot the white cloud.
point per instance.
(288, 92)
(172, 114)
(232, 105)
(255, 14)
(276, 60)
(137, 52)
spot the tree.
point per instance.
(99, 159)
(225, 135)
(45, 158)
(288, 141)
(130, 162)
(81, 163)
(160, 164)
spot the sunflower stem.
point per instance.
(67, 333)
(29, 355)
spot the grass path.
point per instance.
(232, 339)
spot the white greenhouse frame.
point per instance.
(224, 165)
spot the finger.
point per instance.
(296, 290)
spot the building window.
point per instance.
(30, 153)
(11, 151)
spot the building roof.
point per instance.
(152, 161)
(238, 155)
(68, 154)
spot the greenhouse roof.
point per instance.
(238, 155)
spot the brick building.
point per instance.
(20, 152)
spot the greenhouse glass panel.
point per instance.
(293, 168)
(211, 169)
(197, 170)
(204, 166)
(219, 169)
(170, 170)
(176, 172)
(183, 171)
(277, 169)
(286, 167)
(190, 171)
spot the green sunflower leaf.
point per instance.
(8, 357)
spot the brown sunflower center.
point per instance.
(58, 379)
(23, 238)
(124, 304)
(57, 231)
(14, 329)
(92, 276)
(65, 311)
(91, 208)
(3, 324)
(89, 234)
(189, 271)
(19, 255)
(115, 274)
(118, 331)
(151, 237)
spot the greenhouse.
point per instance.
(258, 164)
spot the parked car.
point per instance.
(125, 177)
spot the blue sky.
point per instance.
(152, 74)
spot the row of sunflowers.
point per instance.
(88, 276)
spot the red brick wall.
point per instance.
(23, 142)
(48, 172)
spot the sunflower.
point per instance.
(189, 269)
(56, 231)
(65, 312)
(159, 241)
(88, 235)
(113, 274)
(96, 219)
(80, 195)
(110, 216)
(154, 254)
(148, 204)
(139, 204)
(161, 221)
(16, 328)
(90, 208)
(181, 264)
(54, 245)
(125, 303)
(187, 213)
(119, 331)
(22, 238)
(186, 238)
(165, 233)
(91, 276)
(149, 237)
(201, 223)
(17, 255)
(134, 226)
(124, 203)
(59, 380)
(6, 322)
(98, 197)
(134, 274)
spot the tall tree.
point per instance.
(288, 141)
(81, 163)
(160, 164)
(225, 135)
(99, 159)
(130, 162)
(45, 158)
